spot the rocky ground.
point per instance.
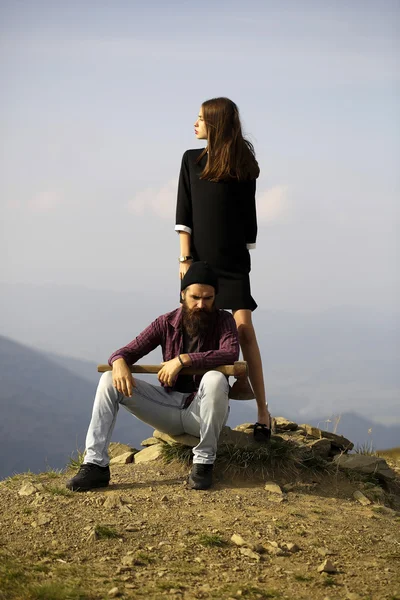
(288, 536)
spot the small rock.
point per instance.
(327, 567)
(238, 540)
(27, 489)
(117, 449)
(148, 454)
(44, 519)
(273, 488)
(288, 487)
(150, 441)
(123, 459)
(131, 528)
(112, 501)
(275, 551)
(282, 424)
(245, 427)
(385, 510)
(185, 439)
(291, 547)
(361, 498)
(320, 447)
(164, 498)
(249, 553)
(128, 560)
(325, 552)
(114, 592)
(92, 537)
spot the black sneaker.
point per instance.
(200, 477)
(88, 477)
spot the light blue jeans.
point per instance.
(204, 418)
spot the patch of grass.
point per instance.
(328, 581)
(278, 454)
(27, 510)
(53, 473)
(211, 540)
(314, 463)
(281, 525)
(76, 459)
(56, 591)
(367, 449)
(255, 460)
(24, 581)
(144, 558)
(168, 585)
(58, 491)
(106, 532)
(249, 592)
(177, 452)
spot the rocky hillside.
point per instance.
(299, 518)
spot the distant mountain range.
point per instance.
(45, 411)
(46, 402)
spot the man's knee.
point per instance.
(105, 381)
(216, 383)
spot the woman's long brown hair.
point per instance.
(230, 156)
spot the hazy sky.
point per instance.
(98, 103)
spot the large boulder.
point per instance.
(281, 424)
(337, 441)
(148, 454)
(185, 439)
(368, 465)
(116, 449)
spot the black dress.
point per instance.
(221, 218)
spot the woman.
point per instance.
(216, 220)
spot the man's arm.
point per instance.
(227, 353)
(121, 359)
(144, 343)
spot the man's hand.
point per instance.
(169, 371)
(122, 377)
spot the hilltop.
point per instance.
(148, 536)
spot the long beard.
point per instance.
(197, 321)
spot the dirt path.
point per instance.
(148, 536)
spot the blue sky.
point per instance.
(97, 109)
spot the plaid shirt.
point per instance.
(218, 347)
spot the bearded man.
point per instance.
(197, 335)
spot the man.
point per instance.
(196, 334)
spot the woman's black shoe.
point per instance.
(89, 476)
(262, 433)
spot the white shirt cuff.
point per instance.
(183, 228)
(251, 246)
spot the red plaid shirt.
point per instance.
(218, 347)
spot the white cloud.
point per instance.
(158, 201)
(272, 204)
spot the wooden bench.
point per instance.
(240, 390)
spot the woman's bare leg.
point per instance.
(251, 354)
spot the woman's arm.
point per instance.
(251, 217)
(184, 215)
(184, 243)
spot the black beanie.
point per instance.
(200, 272)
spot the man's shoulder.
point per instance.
(173, 317)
